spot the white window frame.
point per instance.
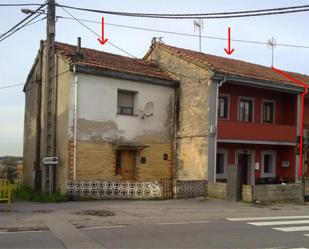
(274, 155)
(238, 108)
(262, 110)
(225, 161)
(228, 106)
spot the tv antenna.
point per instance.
(272, 43)
(199, 25)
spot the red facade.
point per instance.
(274, 141)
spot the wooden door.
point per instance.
(128, 160)
(243, 162)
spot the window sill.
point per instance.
(127, 115)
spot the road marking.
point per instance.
(182, 222)
(292, 229)
(277, 223)
(102, 227)
(34, 231)
(269, 218)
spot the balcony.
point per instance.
(256, 131)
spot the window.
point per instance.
(245, 110)
(223, 107)
(268, 164)
(221, 164)
(268, 112)
(125, 102)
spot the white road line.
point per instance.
(269, 218)
(102, 227)
(292, 229)
(182, 222)
(36, 231)
(277, 223)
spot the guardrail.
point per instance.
(6, 192)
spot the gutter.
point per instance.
(216, 123)
(125, 75)
(75, 122)
(273, 85)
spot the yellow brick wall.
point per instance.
(96, 161)
(155, 167)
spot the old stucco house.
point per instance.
(114, 119)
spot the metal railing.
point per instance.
(6, 192)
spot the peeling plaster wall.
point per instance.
(97, 111)
(193, 123)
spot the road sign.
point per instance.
(50, 160)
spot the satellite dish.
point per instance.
(148, 109)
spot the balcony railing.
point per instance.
(256, 131)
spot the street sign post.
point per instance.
(50, 160)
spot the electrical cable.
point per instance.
(2, 38)
(218, 15)
(19, 4)
(97, 35)
(9, 86)
(13, 29)
(183, 34)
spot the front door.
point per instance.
(244, 164)
(128, 159)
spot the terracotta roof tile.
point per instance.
(99, 59)
(235, 67)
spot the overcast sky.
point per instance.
(18, 52)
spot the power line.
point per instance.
(18, 4)
(30, 22)
(97, 35)
(9, 86)
(218, 15)
(184, 34)
(17, 27)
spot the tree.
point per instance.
(9, 171)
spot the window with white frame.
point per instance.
(221, 164)
(268, 111)
(223, 107)
(245, 110)
(268, 168)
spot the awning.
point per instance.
(131, 146)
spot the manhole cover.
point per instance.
(101, 213)
(42, 211)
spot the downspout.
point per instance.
(300, 172)
(75, 123)
(216, 125)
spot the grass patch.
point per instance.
(29, 194)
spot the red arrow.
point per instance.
(228, 50)
(102, 41)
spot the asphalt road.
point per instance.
(219, 233)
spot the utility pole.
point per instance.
(50, 98)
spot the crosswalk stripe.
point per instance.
(292, 229)
(276, 223)
(269, 218)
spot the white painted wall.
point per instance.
(97, 102)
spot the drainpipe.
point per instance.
(216, 125)
(75, 122)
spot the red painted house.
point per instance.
(234, 115)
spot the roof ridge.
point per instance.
(221, 58)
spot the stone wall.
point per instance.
(193, 116)
(276, 192)
(246, 193)
(217, 190)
